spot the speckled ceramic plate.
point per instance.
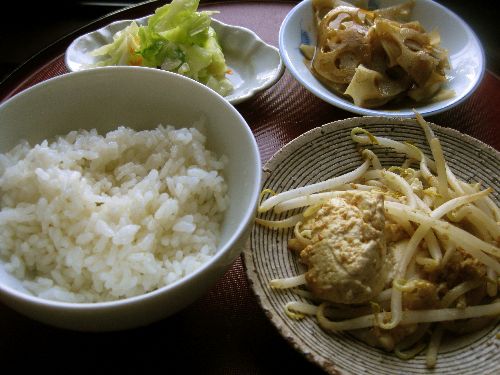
(255, 65)
(326, 152)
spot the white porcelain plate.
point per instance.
(465, 53)
(255, 65)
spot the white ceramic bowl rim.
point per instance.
(221, 250)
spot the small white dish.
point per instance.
(254, 64)
(466, 56)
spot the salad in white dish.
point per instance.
(176, 38)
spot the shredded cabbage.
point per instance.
(176, 38)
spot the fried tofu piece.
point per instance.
(346, 258)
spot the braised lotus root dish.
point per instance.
(399, 256)
(376, 57)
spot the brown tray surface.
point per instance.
(225, 332)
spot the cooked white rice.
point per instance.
(89, 218)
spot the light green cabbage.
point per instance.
(177, 38)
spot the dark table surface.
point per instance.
(225, 332)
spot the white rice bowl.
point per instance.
(89, 218)
(141, 99)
